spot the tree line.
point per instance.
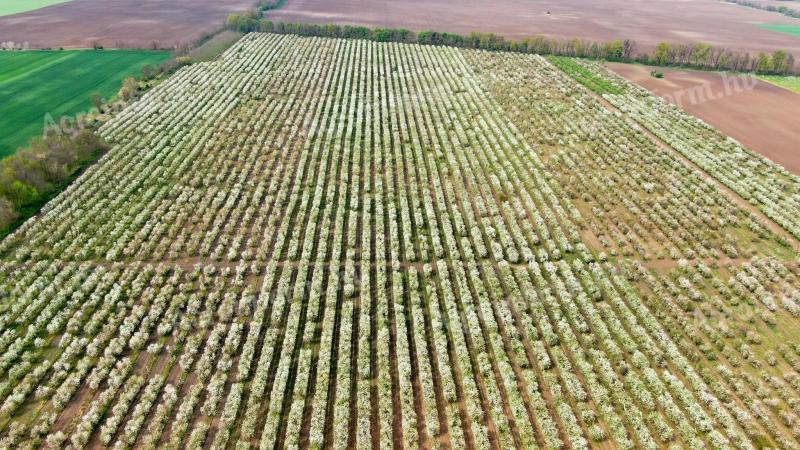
(785, 10)
(31, 176)
(700, 56)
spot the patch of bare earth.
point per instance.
(758, 114)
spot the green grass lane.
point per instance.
(793, 30)
(60, 84)
(572, 67)
(789, 82)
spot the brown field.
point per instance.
(758, 114)
(118, 23)
(647, 22)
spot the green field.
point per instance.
(794, 30)
(791, 83)
(59, 83)
(8, 7)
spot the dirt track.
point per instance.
(118, 23)
(647, 22)
(760, 115)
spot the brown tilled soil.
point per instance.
(646, 22)
(132, 23)
(119, 23)
(760, 115)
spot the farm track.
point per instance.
(317, 243)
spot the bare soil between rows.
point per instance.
(760, 115)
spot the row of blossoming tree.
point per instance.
(321, 243)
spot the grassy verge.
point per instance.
(215, 46)
(786, 82)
